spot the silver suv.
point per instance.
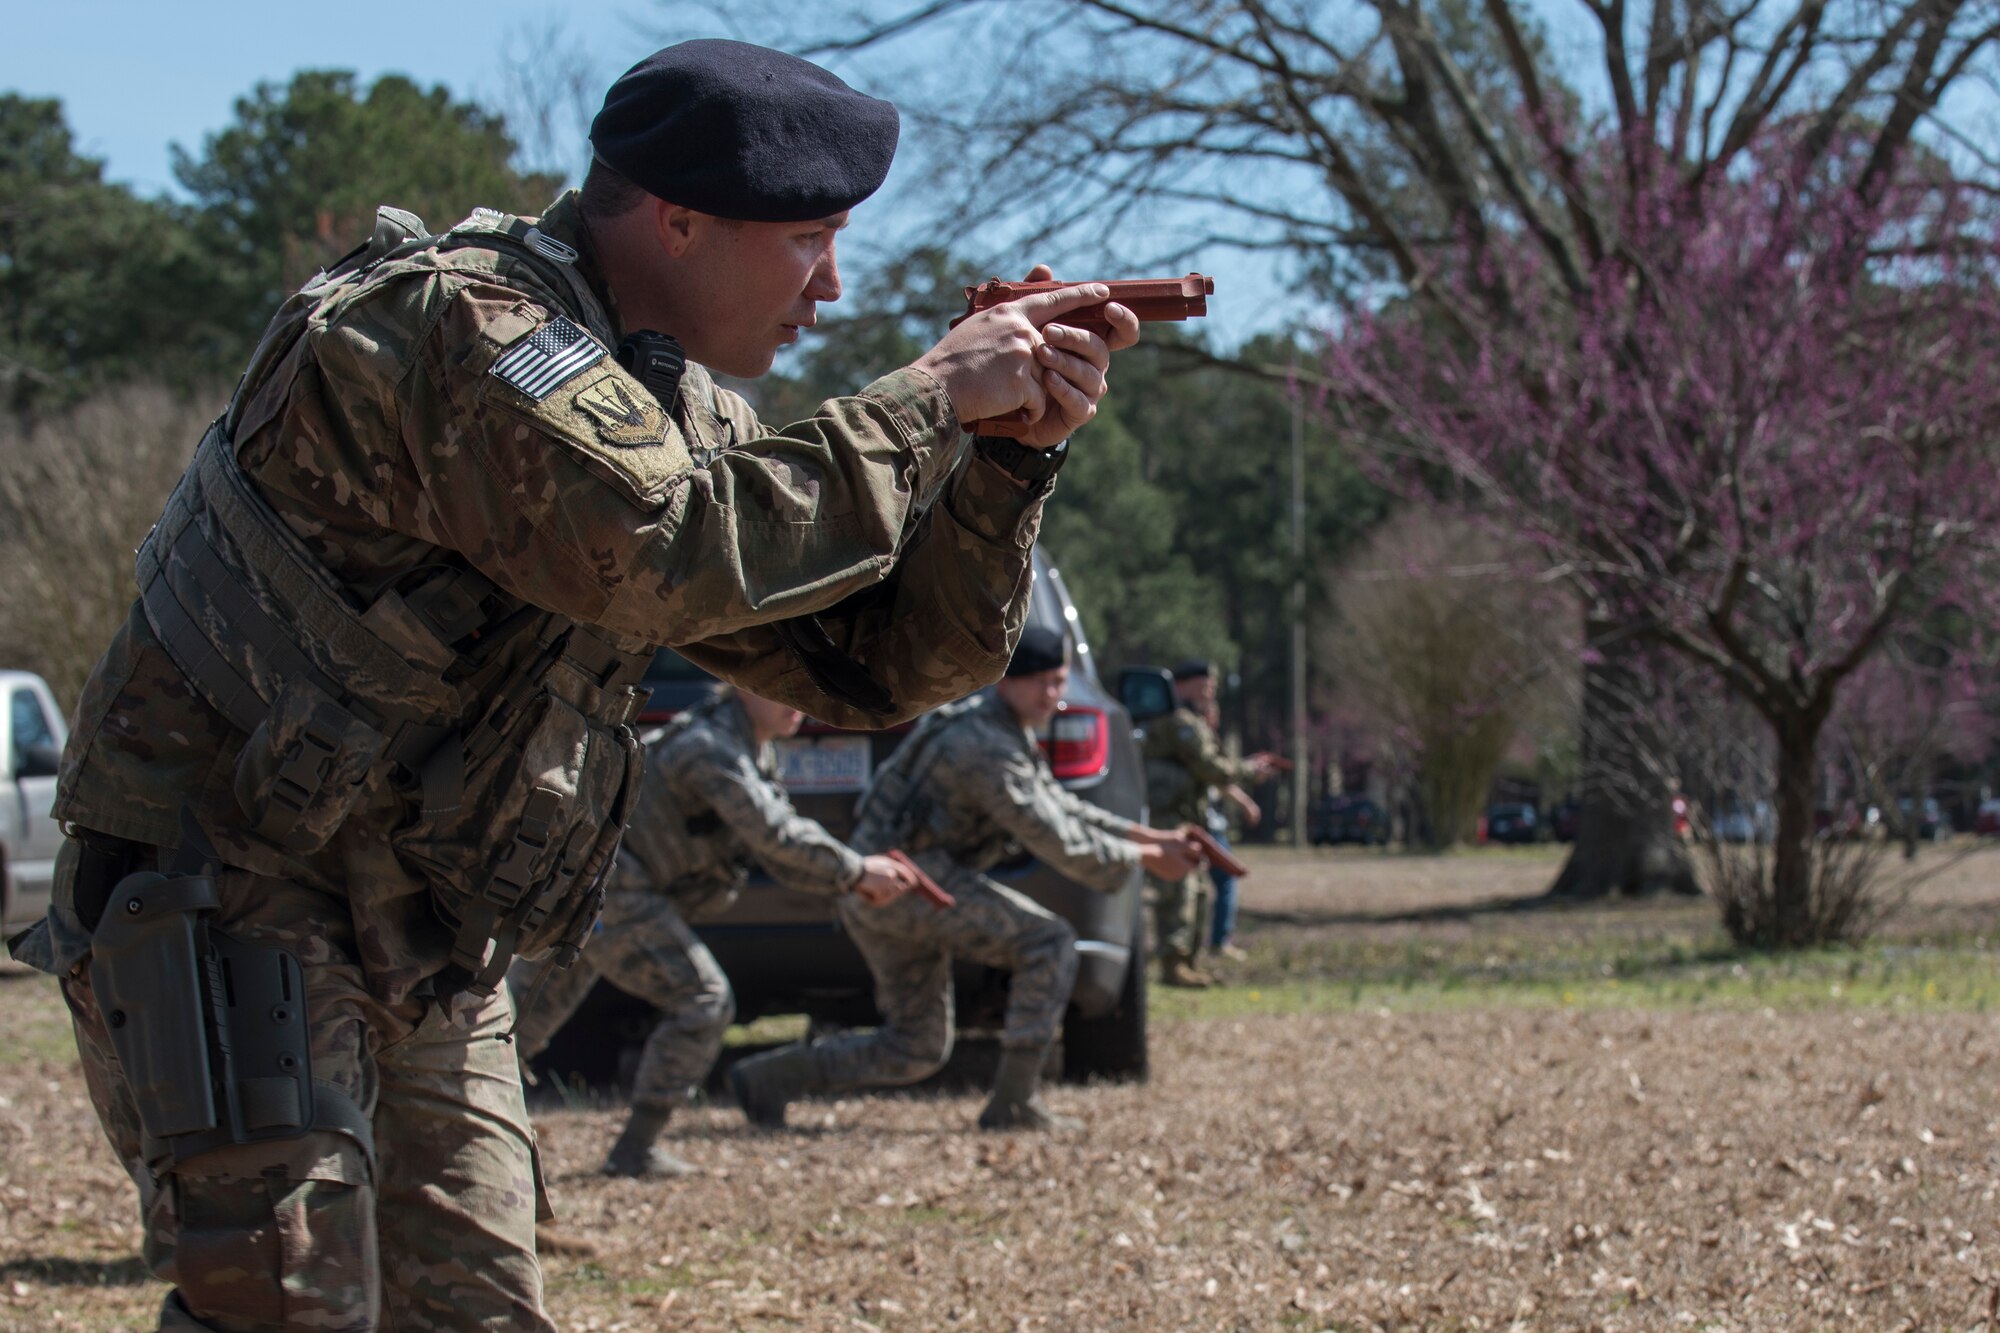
(785, 952)
(32, 734)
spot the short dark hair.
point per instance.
(606, 194)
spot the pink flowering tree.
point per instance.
(1924, 702)
(1758, 429)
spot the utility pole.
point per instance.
(1301, 772)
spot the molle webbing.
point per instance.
(525, 241)
(419, 683)
(216, 615)
(887, 807)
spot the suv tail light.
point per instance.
(1079, 743)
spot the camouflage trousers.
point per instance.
(910, 945)
(644, 948)
(435, 1230)
(1180, 912)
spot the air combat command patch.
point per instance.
(622, 414)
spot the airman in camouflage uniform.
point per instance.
(1184, 759)
(967, 790)
(368, 718)
(710, 808)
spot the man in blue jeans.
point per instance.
(1222, 923)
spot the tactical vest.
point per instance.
(504, 728)
(1168, 781)
(897, 809)
(703, 874)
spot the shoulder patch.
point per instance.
(547, 359)
(623, 415)
(590, 418)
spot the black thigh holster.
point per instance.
(211, 1030)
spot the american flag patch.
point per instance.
(547, 358)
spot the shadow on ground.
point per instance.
(1507, 905)
(61, 1272)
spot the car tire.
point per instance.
(1112, 1049)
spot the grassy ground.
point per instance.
(1422, 1103)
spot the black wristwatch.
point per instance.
(1018, 460)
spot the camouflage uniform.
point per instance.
(389, 442)
(1184, 759)
(711, 806)
(967, 790)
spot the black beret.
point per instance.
(1039, 650)
(744, 132)
(1193, 669)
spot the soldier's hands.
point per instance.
(1077, 366)
(1022, 356)
(1169, 854)
(882, 881)
(1264, 763)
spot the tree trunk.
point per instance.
(1625, 840)
(1791, 925)
(1624, 852)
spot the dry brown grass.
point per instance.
(1488, 1165)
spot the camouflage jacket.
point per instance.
(972, 782)
(1184, 759)
(711, 806)
(390, 441)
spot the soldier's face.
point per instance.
(769, 718)
(1035, 699)
(752, 287)
(1196, 691)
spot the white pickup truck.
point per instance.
(32, 733)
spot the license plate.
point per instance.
(824, 763)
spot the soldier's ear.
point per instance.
(674, 227)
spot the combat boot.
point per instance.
(1178, 971)
(1016, 1102)
(636, 1154)
(765, 1084)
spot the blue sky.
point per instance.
(137, 76)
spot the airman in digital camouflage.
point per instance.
(967, 790)
(710, 808)
(1184, 759)
(364, 736)
(1222, 918)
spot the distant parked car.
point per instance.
(1339, 819)
(32, 734)
(1736, 821)
(1987, 822)
(1514, 823)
